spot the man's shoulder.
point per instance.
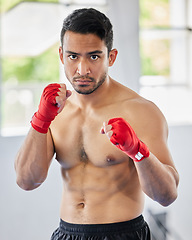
(130, 98)
(132, 101)
(121, 92)
(143, 107)
(137, 107)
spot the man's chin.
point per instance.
(88, 89)
(84, 92)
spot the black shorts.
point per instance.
(131, 230)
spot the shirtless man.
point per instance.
(96, 132)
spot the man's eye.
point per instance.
(73, 57)
(94, 57)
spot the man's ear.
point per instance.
(112, 56)
(61, 54)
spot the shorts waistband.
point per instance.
(127, 226)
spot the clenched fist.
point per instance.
(52, 102)
(122, 135)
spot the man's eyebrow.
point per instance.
(89, 53)
(72, 53)
(95, 52)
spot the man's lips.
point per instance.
(83, 81)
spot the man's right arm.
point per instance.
(34, 158)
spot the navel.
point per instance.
(81, 205)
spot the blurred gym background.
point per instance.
(154, 40)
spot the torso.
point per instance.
(100, 182)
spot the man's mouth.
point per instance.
(83, 80)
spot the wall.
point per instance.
(26, 215)
(124, 18)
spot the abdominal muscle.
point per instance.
(96, 195)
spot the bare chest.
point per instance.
(78, 139)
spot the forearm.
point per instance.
(32, 161)
(34, 158)
(157, 175)
(159, 181)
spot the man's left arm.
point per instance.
(158, 180)
(156, 171)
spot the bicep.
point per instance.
(155, 135)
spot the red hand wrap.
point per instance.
(126, 139)
(48, 109)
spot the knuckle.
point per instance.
(63, 86)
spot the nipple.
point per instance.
(110, 159)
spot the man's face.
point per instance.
(85, 59)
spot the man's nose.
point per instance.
(83, 68)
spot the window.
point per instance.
(30, 37)
(165, 46)
(29, 59)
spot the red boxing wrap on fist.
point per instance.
(48, 109)
(126, 139)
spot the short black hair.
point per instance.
(89, 20)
